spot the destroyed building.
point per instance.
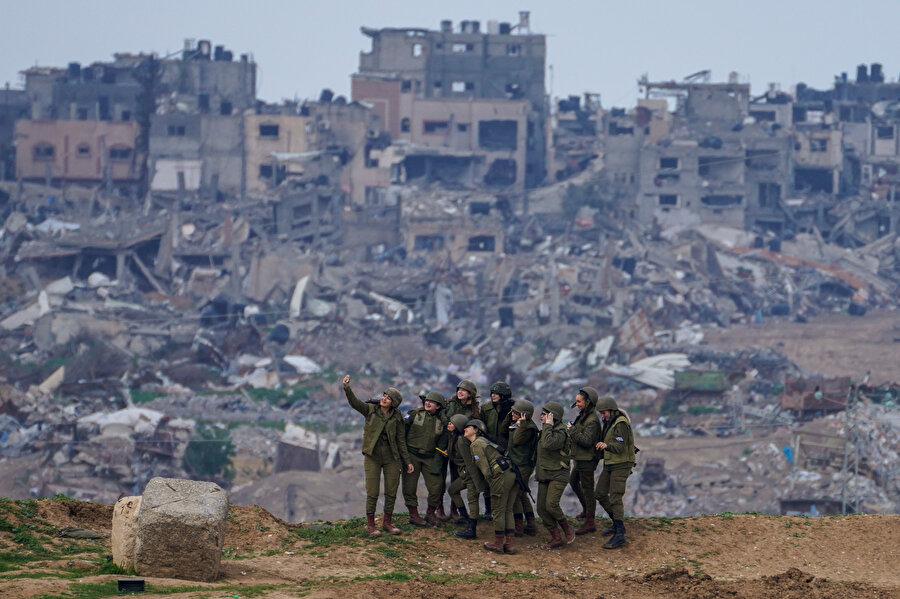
(503, 62)
(716, 164)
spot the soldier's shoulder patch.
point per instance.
(620, 439)
(475, 457)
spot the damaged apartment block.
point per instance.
(470, 101)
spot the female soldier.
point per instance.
(469, 479)
(465, 402)
(584, 432)
(617, 444)
(497, 470)
(552, 474)
(384, 448)
(522, 444)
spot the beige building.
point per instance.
(82, 151)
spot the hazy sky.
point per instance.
(593, 45)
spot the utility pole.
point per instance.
(850, 466)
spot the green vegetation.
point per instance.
(139, 397)
(342, 533)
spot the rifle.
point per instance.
(510, 464)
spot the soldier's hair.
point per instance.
(476, 411)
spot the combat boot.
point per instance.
(589, 526)
(530, 525)
(441, 515)
(386, 524)
(520, 525)
(611, 530)
(583, 511)
(462, 518)
(414, 518)
(370, 525)
(470, 531)
(568, 531)
(497, 545)
(454, 513)
(618, 538)
(508, 544)
(556, 540)
(431, 517)
(488, 513)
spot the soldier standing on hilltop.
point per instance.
(552, 474)
(384, 451)
(465, 402)
(584, 432)
(522, 444)
(617, 444)
(425, 431)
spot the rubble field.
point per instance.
(833, 344)
(725, 555)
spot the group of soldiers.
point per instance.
(492, 449)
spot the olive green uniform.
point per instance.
(522, 446)
(424, 432)
(469, 477)
(552, 472)
(384, 451)
(470, 411)
(584, 433)
(493, 422)
(500, 482)
(618, 461)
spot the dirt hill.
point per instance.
(727, 555)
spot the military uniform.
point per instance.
(618, 462)
(552, 474)
(469, 479)
(384, 451)
(494, 414)
(501, 479)
(522, 446)
(469, 410)
(584, 433)
(424, 433)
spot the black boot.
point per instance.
(487, 507)
(463, 519)
(618, 538)
(612, 527)
(469, 531)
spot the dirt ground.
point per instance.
(833, 344)
(735, 556)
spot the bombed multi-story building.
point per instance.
(717, 164)
(471, 102)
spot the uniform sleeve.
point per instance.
(479, 456)
(618, 440)
(523, 435)
(586, 435)
(361, 407)
(552, 438)
(401, 443)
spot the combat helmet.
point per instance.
(469, 386)
(607, 403)
(590, 395)
(556, 409)
(478, 424)
(395, 396)
(523, 406)
(501, 389)
(436, 397)
(459, 422)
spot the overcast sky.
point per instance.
(593, 45)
